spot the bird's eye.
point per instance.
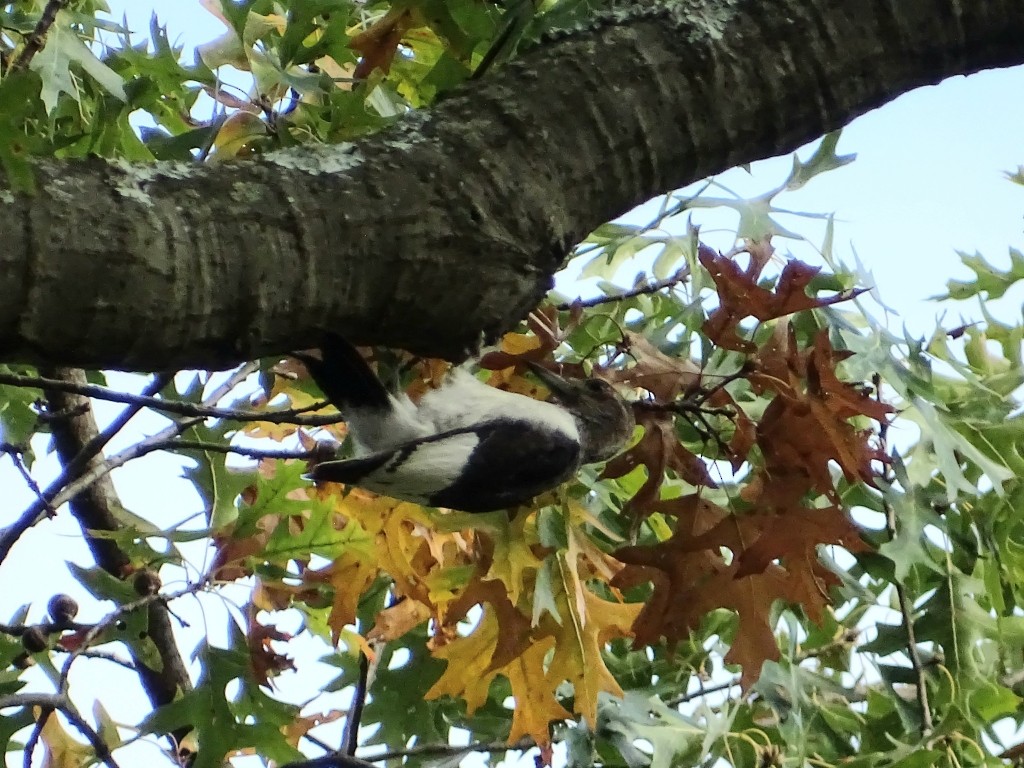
(596, 385)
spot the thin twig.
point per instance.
(251, 453)
(33, 486)
(423, 750)
(45, 713)
(116, 614)
(178, 407)
(906, 605)
(685, 407)
(675, 701)
(350, 734)
(921, 684)
(680, 276)
(46, 627)
(367, 671)
(113, 658)
(331, 760)
(37, 38)
(50, 702)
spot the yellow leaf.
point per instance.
(588, 623)
(536, 705)
(62, 751)
(519, 343)
(468, 675)
(395, 621)
(350, 575)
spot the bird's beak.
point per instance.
(559, 387)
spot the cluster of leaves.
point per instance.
(307, 71)
(719, 553)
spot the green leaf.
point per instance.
(988, 278)
(250, 719)
(53, 64)
(12, 722)
(675, 738)
(824, 159)
(217, 484)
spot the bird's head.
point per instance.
(604, 418)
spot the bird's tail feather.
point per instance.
(345, 377)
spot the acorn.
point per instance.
(34, 640)
(146, 582)
(62, 609)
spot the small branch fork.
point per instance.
(83, 471)
(49, 703)
(693, 406)
(643, 289)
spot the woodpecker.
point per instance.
(465, 445)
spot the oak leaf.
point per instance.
(740, 296)
(659, 449)
(470, 672)
(664, 376)
(588, 622)
(514, 636)
(692, 577)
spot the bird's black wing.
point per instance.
(493, 465)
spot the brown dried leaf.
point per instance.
(378, 43)
(663, 376)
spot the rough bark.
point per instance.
(450, 225)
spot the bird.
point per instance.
(465, 446)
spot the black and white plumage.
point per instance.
(466, 445)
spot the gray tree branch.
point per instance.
(449, 225)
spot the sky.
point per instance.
(928, 181)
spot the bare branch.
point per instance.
(289, 416)
(251, 453)
(645, 288)
(424, 750)
(50, 702)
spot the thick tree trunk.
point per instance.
(449, 226)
